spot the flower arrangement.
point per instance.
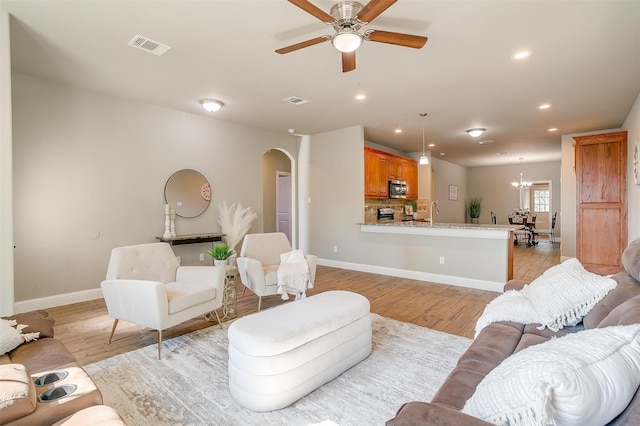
(521, 212)
(235, 221)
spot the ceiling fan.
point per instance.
(347, 17)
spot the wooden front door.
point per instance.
(601, 191)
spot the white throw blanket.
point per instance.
(293, 274)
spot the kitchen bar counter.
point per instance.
(419, 227)
(465, 254)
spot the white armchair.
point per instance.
(145, 285)
(259, 261)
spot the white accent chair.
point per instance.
(259, 260)
(145, 285)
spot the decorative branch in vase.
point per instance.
(235, 221)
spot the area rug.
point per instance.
(189, 386)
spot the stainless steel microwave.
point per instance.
(397, 189)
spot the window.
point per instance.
(541, 200)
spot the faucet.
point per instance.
(433, 203)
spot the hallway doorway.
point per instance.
(283, 203)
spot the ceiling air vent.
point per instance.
(148, 45)
(488, 141)
(295, 100)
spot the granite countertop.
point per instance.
(421, 223)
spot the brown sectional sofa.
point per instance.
(20, 402)
(499, 340)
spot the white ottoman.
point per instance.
(279, 355)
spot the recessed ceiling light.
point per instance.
(552, 129)
(361, 97)
(544, 106)
(522, 54)
(431, 145)
(501, 153)
(397, 131)
(442, 154)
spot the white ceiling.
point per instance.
(586, 64)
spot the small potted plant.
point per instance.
(474, 209)
(220, 254)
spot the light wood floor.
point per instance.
(84, 327)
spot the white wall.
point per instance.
(6, 172)
(450, 211)
(89, 175)
(493, 185)
(336, 176)
(632, 126)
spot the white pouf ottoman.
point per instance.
(279, 355)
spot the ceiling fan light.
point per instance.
(211, 105)
(474, 133)
(424, 160)
(347, 41)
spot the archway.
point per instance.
(279, 201)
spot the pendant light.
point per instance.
(424, 160)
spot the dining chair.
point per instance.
(551, 231)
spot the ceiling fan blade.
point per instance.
(373, 9)
(348, 61)
(313, 10)
(302, 44)
(399, 39)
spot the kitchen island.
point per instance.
(464, 254)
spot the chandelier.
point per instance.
(522, 184)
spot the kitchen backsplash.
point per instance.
(371, 206)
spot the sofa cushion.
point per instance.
(583, 378)
(96, 415)
(42, 355)
(625, 314)
(17, 393)
(626, 289)
(423, 413)
(495, 343)
(631, 259)
(36, 321)
(185, 295)
(11, 335)
(565, 293)
(533, 335)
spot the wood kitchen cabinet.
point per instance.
(410, 175)
(375, 174)
(380, 166)
(601, 192)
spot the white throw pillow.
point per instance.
(509, 306)
(584, 378)
(565, 293)
(11, 335)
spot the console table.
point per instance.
(192, 239)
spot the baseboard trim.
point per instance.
(86, 295)
(57, 300)
(416, 275)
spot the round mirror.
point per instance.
(188, 193)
